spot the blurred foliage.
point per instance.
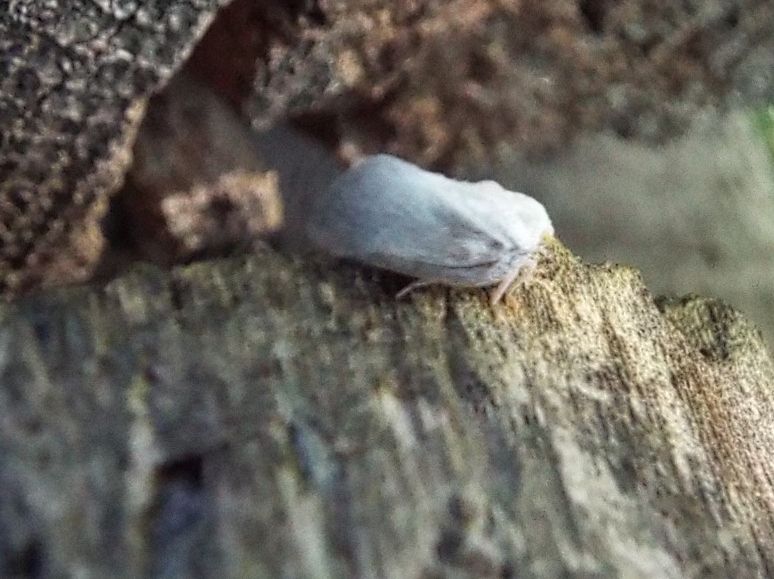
(764, 121)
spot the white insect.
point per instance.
(391, 214)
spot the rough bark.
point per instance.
(440, 83)
(74, 80)
(271, 417)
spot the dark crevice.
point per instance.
(176, 294)
(449, 545)
(27, 562)
(594, 12)
(321, 126)
(732, 17)
(314, 13)
(179, 522)
(226, 57)
(189, 469)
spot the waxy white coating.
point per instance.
(391, 214)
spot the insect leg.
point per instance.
(412, 286)
(521, 274)
(504, 284)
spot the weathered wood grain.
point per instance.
(271, 417)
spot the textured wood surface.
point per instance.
(271, 417)
(74, 80)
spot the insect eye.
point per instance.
(495, 245)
